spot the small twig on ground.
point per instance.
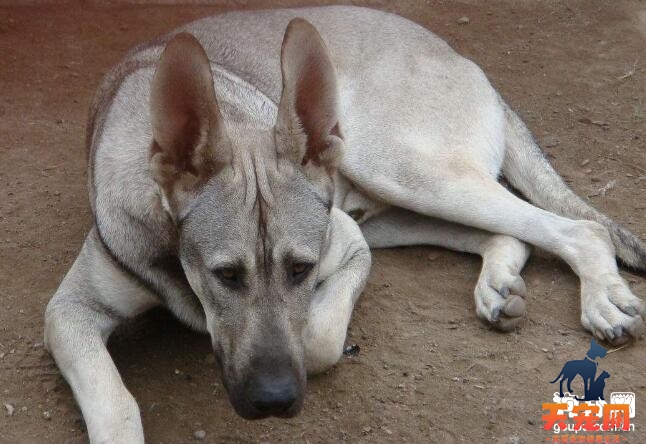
(618, 348)
(629, 73)
(603, 190)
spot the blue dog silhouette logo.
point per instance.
(587, 369)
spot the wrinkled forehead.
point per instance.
(258, 211)
(296, 218)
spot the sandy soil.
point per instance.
(428, 371)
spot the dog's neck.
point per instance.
(590, 359)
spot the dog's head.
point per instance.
(596, 351)
(251, 208)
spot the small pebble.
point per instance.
(463, 20)
(199, 434)
(551, 142)
(10, 409)
(530, 421)
(585, 162)
(352, 350)
(49, 385)
(47, 415)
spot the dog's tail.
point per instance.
(557, 378)
(527, 170)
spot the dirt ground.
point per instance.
(427, 371)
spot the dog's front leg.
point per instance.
(343, 272)
(93, 298)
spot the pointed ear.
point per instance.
(307, 128)
(189, 140)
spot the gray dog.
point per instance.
(240, 184)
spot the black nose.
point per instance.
(272, 395)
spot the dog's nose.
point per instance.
(272, 395)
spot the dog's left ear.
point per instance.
(307, 128)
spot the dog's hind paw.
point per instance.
(611, 312)
(499, 298)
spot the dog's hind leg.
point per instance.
(527, 169)
(561, 376)
(95, 296)
(467, 195)
(343, 272)
(500, 290)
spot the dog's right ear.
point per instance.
(190, 144)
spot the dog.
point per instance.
(586, 368)
(241, 168)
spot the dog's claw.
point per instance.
(510, 315)
(630, 311)
(636, 329)
(611, 312)
(610, 333)
(515, 307)
(499, 301)
(507, 317)
(518, 287)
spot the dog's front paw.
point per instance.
(610, 311)
(499, 297)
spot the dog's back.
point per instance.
(377, 56)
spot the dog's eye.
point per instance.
(230, 277)
(299, 271)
